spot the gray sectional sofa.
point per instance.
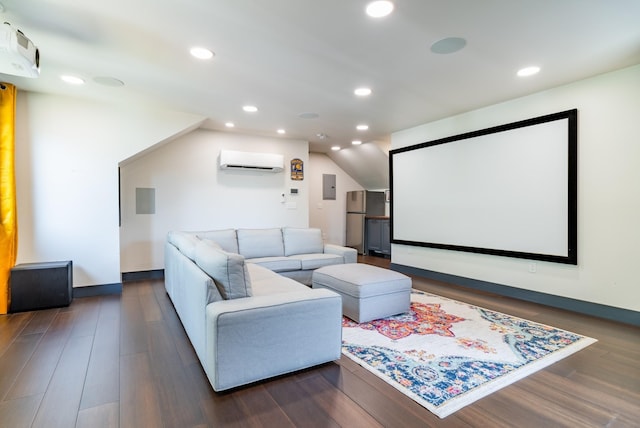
(245, 316)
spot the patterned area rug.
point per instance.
(446, 354)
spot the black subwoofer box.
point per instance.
(41, 285)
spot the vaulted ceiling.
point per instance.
(299, 61)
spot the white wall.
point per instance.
(192, 193)
(367, 163)
(67, 154)
(328, 215)
(608, 193)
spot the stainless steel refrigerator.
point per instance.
(360, 204)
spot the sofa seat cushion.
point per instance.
(302, 241)
(228, 270)
(277, 264)
(265, 282)
(254, 243)
(315, 261)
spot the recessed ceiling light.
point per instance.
(250, 109)
(379, 9)
(528, 71)
(356, 142)
(201, 53)
(281, 131)
(362, 92)
(72, 80)
(448, 45)
(362, 127)
(229, 124)
(335, 148)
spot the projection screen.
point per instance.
(509, 190)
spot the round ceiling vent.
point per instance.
(448, 45)
(108, 81)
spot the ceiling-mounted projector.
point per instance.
(18, 55)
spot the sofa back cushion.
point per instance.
(302, 241)
(227, 270)
(226, 238)
(254, 243)
(185, 242)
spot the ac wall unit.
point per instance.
(18, 55)
(249, 161)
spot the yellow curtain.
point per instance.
(8, 213)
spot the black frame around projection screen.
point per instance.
(509, 190)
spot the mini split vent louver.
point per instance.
(248, 161)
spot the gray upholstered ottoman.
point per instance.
(368, 292)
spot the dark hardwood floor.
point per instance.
(124, 360)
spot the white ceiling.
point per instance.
(294, 56)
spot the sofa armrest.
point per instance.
(258, 337)
(189, 288)
(350, 255)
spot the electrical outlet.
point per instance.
(533, 268)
